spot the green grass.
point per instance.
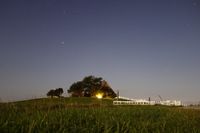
(91, 115)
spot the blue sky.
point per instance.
(142, 48)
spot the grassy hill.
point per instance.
(94, 115)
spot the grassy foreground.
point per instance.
(89, 115)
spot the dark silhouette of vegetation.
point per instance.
(50, 93)
(90, 86)
(57, 92)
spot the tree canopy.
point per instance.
(57, 92)
(90, 86)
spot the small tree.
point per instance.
(50, 93)
(57, 92)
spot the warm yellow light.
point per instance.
(99, 95)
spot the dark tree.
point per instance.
(90, 86)
(107, 90)
(58, 92)
(50, 93)
(76, 89)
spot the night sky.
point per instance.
(143, 48)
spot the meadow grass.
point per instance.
(90, 115)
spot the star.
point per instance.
(62, 42)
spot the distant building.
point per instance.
(171, 103)
(128, 101)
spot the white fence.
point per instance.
(145, 102)
(134, 102)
